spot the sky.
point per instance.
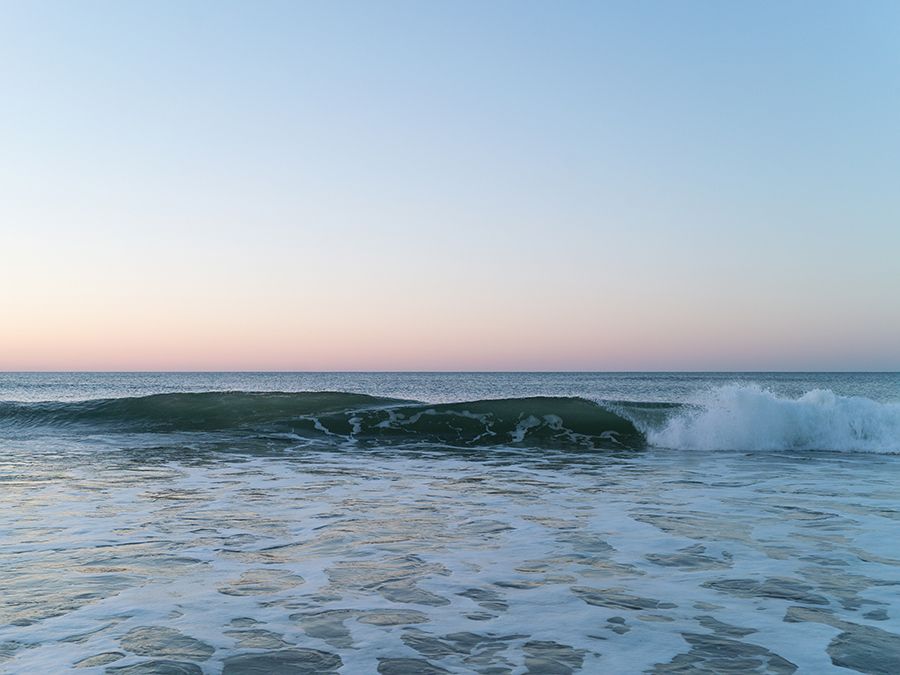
(504, 185)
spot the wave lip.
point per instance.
(337, 417)
(750, 418)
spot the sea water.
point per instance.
(461, 523)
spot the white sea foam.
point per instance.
(749, 417)
(472, 562)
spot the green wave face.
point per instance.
(557, 422)
(342, 417)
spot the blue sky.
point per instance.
(407, 185)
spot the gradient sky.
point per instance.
(449, 185)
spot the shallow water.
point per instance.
(196, 552)
(492, 563)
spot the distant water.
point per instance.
(465, 522)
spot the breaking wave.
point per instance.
(752, 418)
(737, 417)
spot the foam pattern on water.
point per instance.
(180, 560)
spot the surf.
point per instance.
(753, 418)
(732, 417)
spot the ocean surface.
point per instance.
(449, 523)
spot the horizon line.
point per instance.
(450, 372)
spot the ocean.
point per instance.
(450, 523)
